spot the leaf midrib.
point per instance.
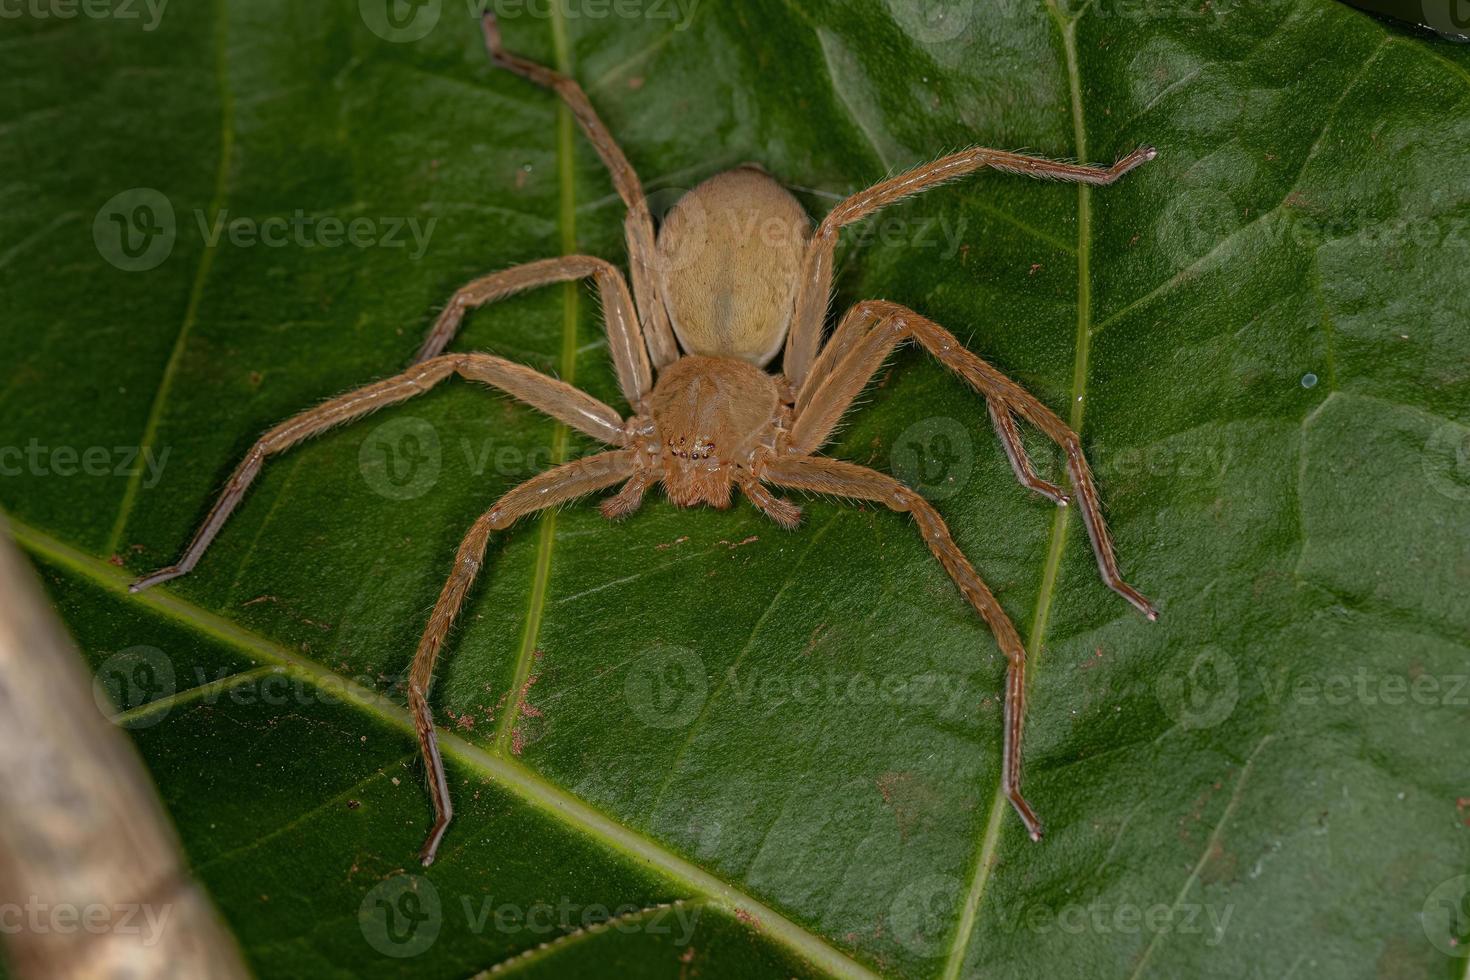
(546, 536)
(990, 840)
(520, 781)
(201, 275)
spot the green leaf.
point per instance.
(791, 739)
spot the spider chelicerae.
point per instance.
(734, 273)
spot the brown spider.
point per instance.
(734, 271)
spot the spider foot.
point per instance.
(1024, 811)
(1137, 158)
(162, 575)
(783, 512)
(430, 850)
(1051, 492)
(626, 500)
(1135, 599)
(491, 28)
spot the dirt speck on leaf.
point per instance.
(523, 710)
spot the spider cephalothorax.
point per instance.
(735, 276)
(714, 421)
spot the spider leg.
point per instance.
(624, 338)
(843, 479)
(557, 486)
(638, 226)
(1010, 438)
(824, 400)
(630, 497)
(556, 398)
(815, 288)
(783, 512)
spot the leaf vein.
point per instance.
(546, 539)
(521, 782)
(1210, 845)
(201, 274)
(990, 841)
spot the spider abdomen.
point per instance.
(730, 255)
